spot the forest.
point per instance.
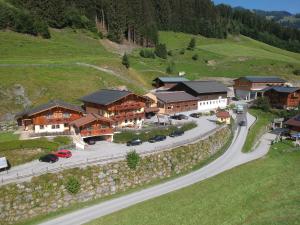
(139, 21)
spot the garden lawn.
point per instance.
(22, 151)
(263, 192)
(8, 136)
(258, 128)
(126, 136)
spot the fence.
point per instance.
(17, 177)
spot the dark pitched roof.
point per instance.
(295, 121)
(105, 97)
(89, 119)
(263, 79)
(203, 87)
(50, 105)
(171, 79)
(175, 96)
(282, 89)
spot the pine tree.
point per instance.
(192, 45)
(161, 51)
(125, 61)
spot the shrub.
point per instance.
(146, 53)
(192, 44)
(161, 51)
(182, 51)
(133, 159)
(263, 104)
(296, 72)
(170, 53)
(195, 57)
(73, 185)
(125, 61)
(171, 68)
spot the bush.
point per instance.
(296, 72)
(73, 185)
(182, 51)
(161, 51)
(125, 61)
(133, 159)
(170, 53)
(195, 57)
(263, 104)
(171, 68)
(146, 53)
(192, 44)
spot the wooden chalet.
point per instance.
(94, 125)
(52, 117)
(283, 97)
(251, 87)
(125, 108)
(175, 102)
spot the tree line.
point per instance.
(139, 21)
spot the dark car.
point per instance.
(157, 138)
(50, 158)
(195, 115)
(134, 142)
(91, 142)
(243, 123)
(177, 133)
(179, 117)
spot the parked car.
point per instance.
(91, 142)
(63, 153)
(157, 138)
(177, 133)
(179, 117)
(243, 123)
(134, 142)
(4, 164)
(195, 115)
(50, 158)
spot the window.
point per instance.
(169, 107)
(65, 125)
(53, 127)
(57, 126)
(42, 127)
(140, 119)
(66, 115)
(126, 121)
(49, 116)
(131, 121)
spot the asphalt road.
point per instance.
(103, 150)
(231, 158)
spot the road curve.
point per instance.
(231, 158)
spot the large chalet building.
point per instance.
(52, 117)
(125, 108)
(211, 95)
(283, 97)
(252, 87)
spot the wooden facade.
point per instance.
(282, 99)
(177, 107)
(127, 111)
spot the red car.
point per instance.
(63, 153)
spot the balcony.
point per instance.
(131, 106)
(45, 121)
(127, 116)
(96, 132)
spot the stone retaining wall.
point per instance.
(48, 193)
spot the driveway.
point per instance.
(231, 158)
(104, 150)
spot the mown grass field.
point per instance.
(258, 128)
(262, 192)
(47, 69)
(8, 136)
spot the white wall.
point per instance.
(48, 129)
(212, 104)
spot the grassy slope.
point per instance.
(8, 136)
(263, 192)
(55, 74)
(257, 129)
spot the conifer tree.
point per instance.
(125, 61)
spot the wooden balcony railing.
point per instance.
(128, 116)
(130, 106)
(96, 132)
(44, 121)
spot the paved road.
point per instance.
(231, 158)
(104, 150)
